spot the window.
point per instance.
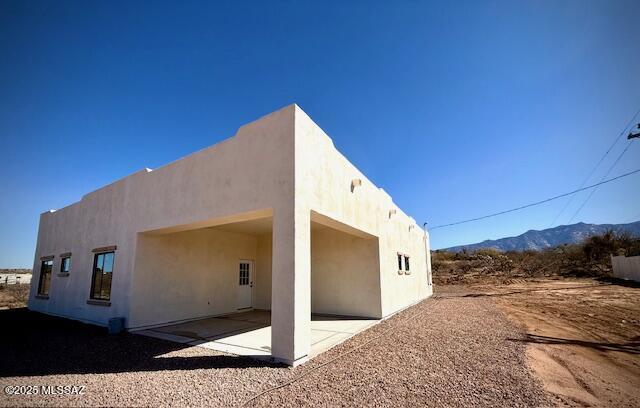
(65, 264)
(406, 263)
(399, 262)
(102, 272)
(45, 277)
(244, 273)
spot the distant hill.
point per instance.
(538, 240)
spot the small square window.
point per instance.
(65, 265)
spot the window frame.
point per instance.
(400, 262)
(41, 288)
(96, 256)
(62, 261)
(243, 273)
(407, 265)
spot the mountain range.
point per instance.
(550, 237)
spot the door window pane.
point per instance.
(243, 275)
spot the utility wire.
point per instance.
(603, 177)
(615, 141)
(538, 202)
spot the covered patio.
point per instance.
(249, 333)
(212, 284)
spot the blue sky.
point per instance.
(457, 109)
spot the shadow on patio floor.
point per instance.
(34, 344)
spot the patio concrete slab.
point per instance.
(207, 328)
(165, 336)
(255, 316)
(251, 343)
(249, 333)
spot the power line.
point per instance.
(603, 177)
(538, 202)
(615, 141)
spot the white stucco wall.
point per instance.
(79, 228)
(323, 185)
(262, 289)
(345, 274)
(282, 166)
(189, 274)
(205, 188)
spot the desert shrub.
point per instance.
(20, 293)
(589, 258)
(634, 249)
(494, 253)
(441, 255)
(14, 295)
(600, 247)
(628, 244)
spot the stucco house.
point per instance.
(272, 219)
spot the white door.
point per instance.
(245, 284)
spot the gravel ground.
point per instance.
(441, 352)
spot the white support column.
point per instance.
(291, 286)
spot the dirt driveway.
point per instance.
(583, 337)
(442, 352)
